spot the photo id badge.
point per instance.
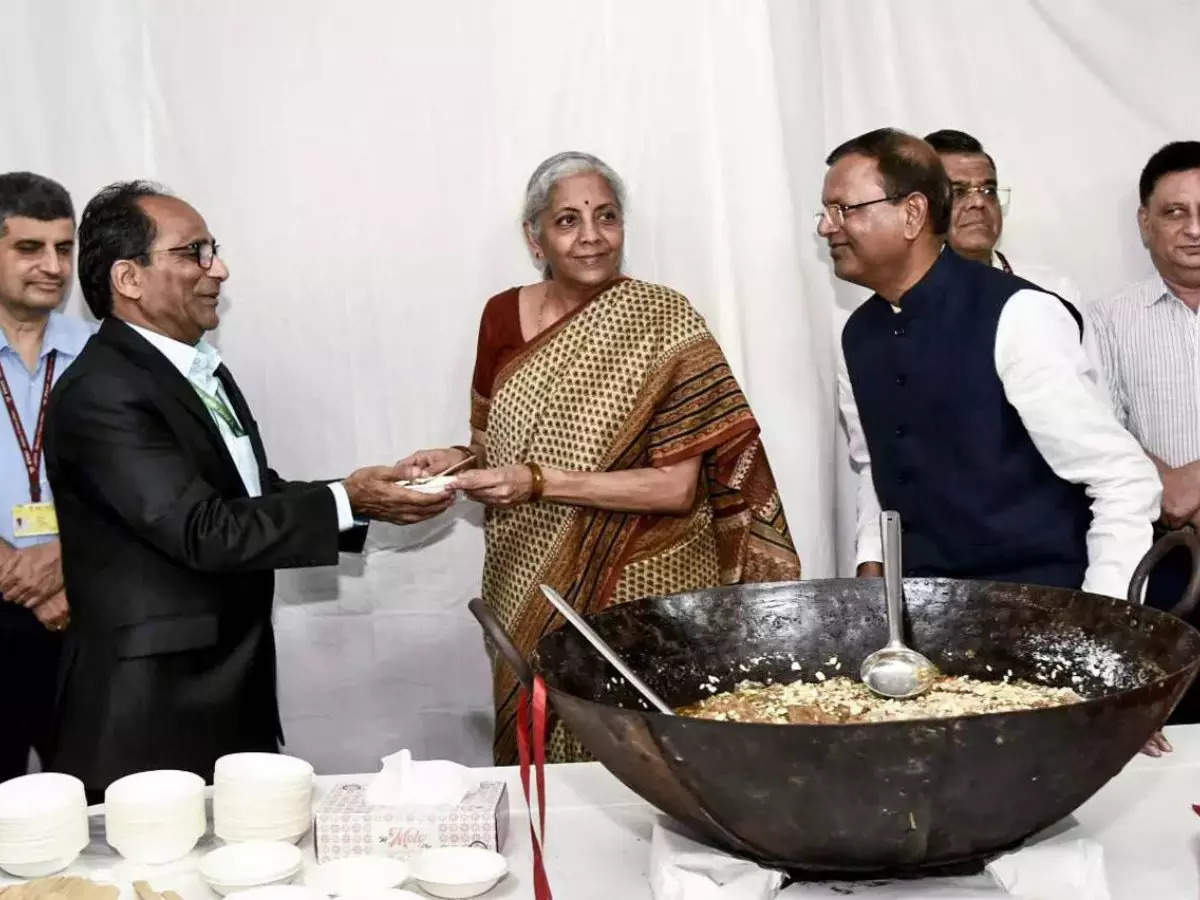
(34, 520)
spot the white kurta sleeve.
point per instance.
(1048, 378)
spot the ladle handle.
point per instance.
(576, 621)
(1168, 542)
(893, 584)
(502, 642)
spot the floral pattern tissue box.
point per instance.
(344, 825)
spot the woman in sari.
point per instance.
(615, 452)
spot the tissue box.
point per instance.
(344, 825)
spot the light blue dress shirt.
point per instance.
(67, 335)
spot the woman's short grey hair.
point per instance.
(555, 169)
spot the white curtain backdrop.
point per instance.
(362, 165)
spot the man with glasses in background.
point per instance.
(978, 211)
(172, 523)
(37, 344)
(1146, 340)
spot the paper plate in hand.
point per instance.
(435, 485)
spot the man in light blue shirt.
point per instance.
(37, 343)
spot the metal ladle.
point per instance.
(567, 612)
(895, 671)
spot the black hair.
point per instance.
(33, 197)
(947, 140)
(1178, 156)
(113, 227)
(908, 166)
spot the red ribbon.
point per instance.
(536, 728)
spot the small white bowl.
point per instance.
(457, 872)
(235, 868)
(276, 892)
(356, 875)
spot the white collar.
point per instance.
(183, 357)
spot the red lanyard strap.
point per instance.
(541, 884)
(32, 456)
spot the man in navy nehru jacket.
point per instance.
(969, 403)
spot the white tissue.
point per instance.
(1050, 870)
(405, 782)
(976, 888)
(682, 869)
(1066, 870)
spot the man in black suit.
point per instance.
(171, 522)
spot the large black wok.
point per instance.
(885, 798)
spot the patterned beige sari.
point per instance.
(632, 379)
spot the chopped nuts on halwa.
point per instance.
(841, 700)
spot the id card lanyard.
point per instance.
(31, 455)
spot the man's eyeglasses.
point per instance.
(836, 212)
(986, 192)
(203, 252)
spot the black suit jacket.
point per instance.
(169, 566)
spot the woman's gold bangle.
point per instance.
(466, 451)
(539, 483)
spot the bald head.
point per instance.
(906, 165)
(886, 206)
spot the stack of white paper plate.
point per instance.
(155, 817)
(261, 797)
(43, 823)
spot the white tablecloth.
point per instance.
(598, 834)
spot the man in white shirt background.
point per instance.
(969, 403)
(1146, 340)
(980, 205)
(172, 522)
(37, 344)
